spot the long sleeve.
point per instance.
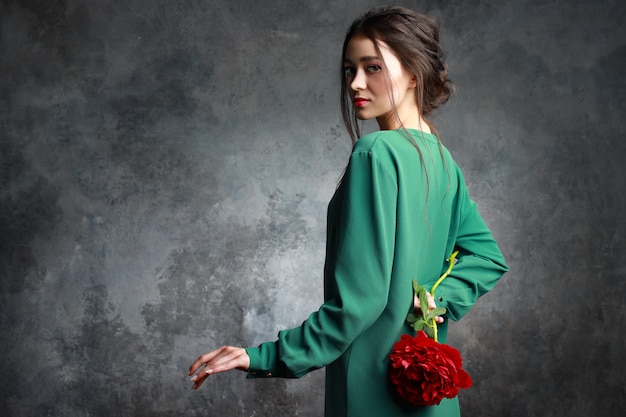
(401, 208)
(480, 262)
(359, 260)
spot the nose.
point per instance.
(358, 82)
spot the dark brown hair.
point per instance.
(414, 39)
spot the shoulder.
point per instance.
(378, 141)
(397, 147)
(394, 140)
(374, 151)
(382, 147)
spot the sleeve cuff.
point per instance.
(263, 360)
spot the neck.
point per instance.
(391, 122)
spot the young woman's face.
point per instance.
(374, 78)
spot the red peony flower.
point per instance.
(424, 371)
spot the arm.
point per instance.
(358, 268)
(480, 262)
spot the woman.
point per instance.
(401, 209)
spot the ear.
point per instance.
(413, 83)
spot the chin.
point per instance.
(363, 117)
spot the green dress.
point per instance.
(395, 217)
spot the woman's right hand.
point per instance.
(431, 306)
(219, 360)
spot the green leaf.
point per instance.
(412, 317)
(429, 331)
(426, 319)
(423, 301)
(419, 324)
(439, 311)
(422, 322)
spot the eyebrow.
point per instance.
(363, 59)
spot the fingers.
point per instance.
(431, 301)
(204, 359)
(223, 359)
(431, 305)
(199, 379)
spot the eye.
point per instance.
(348, 72)
(373, 68)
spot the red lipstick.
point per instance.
(359, 102)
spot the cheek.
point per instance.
(378, 85)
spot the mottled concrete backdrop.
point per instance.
(165, 168)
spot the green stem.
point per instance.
(451, 261)
(435, 331)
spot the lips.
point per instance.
(359, 102)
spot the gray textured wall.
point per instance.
(165, 170)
